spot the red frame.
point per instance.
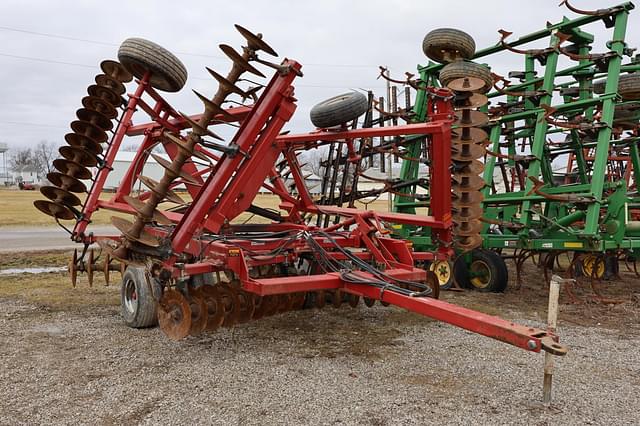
(234, 180)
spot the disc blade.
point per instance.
(215, 312)
(471, 118)
(124, 226)
(79, 155)
(174, 315)
(239, 60)
(95, 117)
(169, 196)
(53, 209)
(105, 94)
(86, 128)
(169, 166)
(97, 104)
(111, 83)
(84, 142)
(139, 206)
(255, 41)
(61, 196)
(66, 182)
(466, 84)
(71, 168)
(116, 70)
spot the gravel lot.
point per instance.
(80, 364)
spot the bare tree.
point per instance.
(43, 156)
(20, 158)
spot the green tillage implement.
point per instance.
(592, 214)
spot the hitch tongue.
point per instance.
(553, 347)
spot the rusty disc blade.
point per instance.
(66, 182)
(467, 152)
(169, 166)
(104, 80)
(282, 303)
(467, 213)
(246, 306)
(469, 243)
(226, 84)
(264, 307)
(139, 206)
(473, 167)
(476, 100)
(336, 298)
(174, 315)
(124, 226)
(255, 41)
(199, 311)
(321, 299)
(182, 146)
(467, 198)
(215, 311)
(116, 70)
(71, 168)
(215, 108)
(61, 196)
(239, 60)
(95, 117)
(229, 301)
(53, 209)
(467, 182)
(298, 300)
(85, 128)
(353, 300)
(467, 228)
(84, 142)
(105, 94)
(199, 129)
(468, 135)
(471, 118)
(152, 184)
(466, 84)
(79, 155)
(369, 302)
(98, 104)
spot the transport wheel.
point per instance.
(139, 306)
(487, 271)
(461, 69)
(628, 86)
(445, 45)
(138, 56)
(339, 109)
(444, 271)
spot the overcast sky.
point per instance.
(339, 43)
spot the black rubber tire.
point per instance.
(492, 261)
(339, 109)
(139, 311)
(461, 69)
(445, 278)
(138, 55)
(628, 86)
(626, 117)
(445, 45)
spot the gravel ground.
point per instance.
(350, 366)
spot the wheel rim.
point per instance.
(442, 269)
(588, 264)
(481, 274)
(130, 296)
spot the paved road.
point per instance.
(39, 238)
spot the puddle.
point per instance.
(15, 271)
